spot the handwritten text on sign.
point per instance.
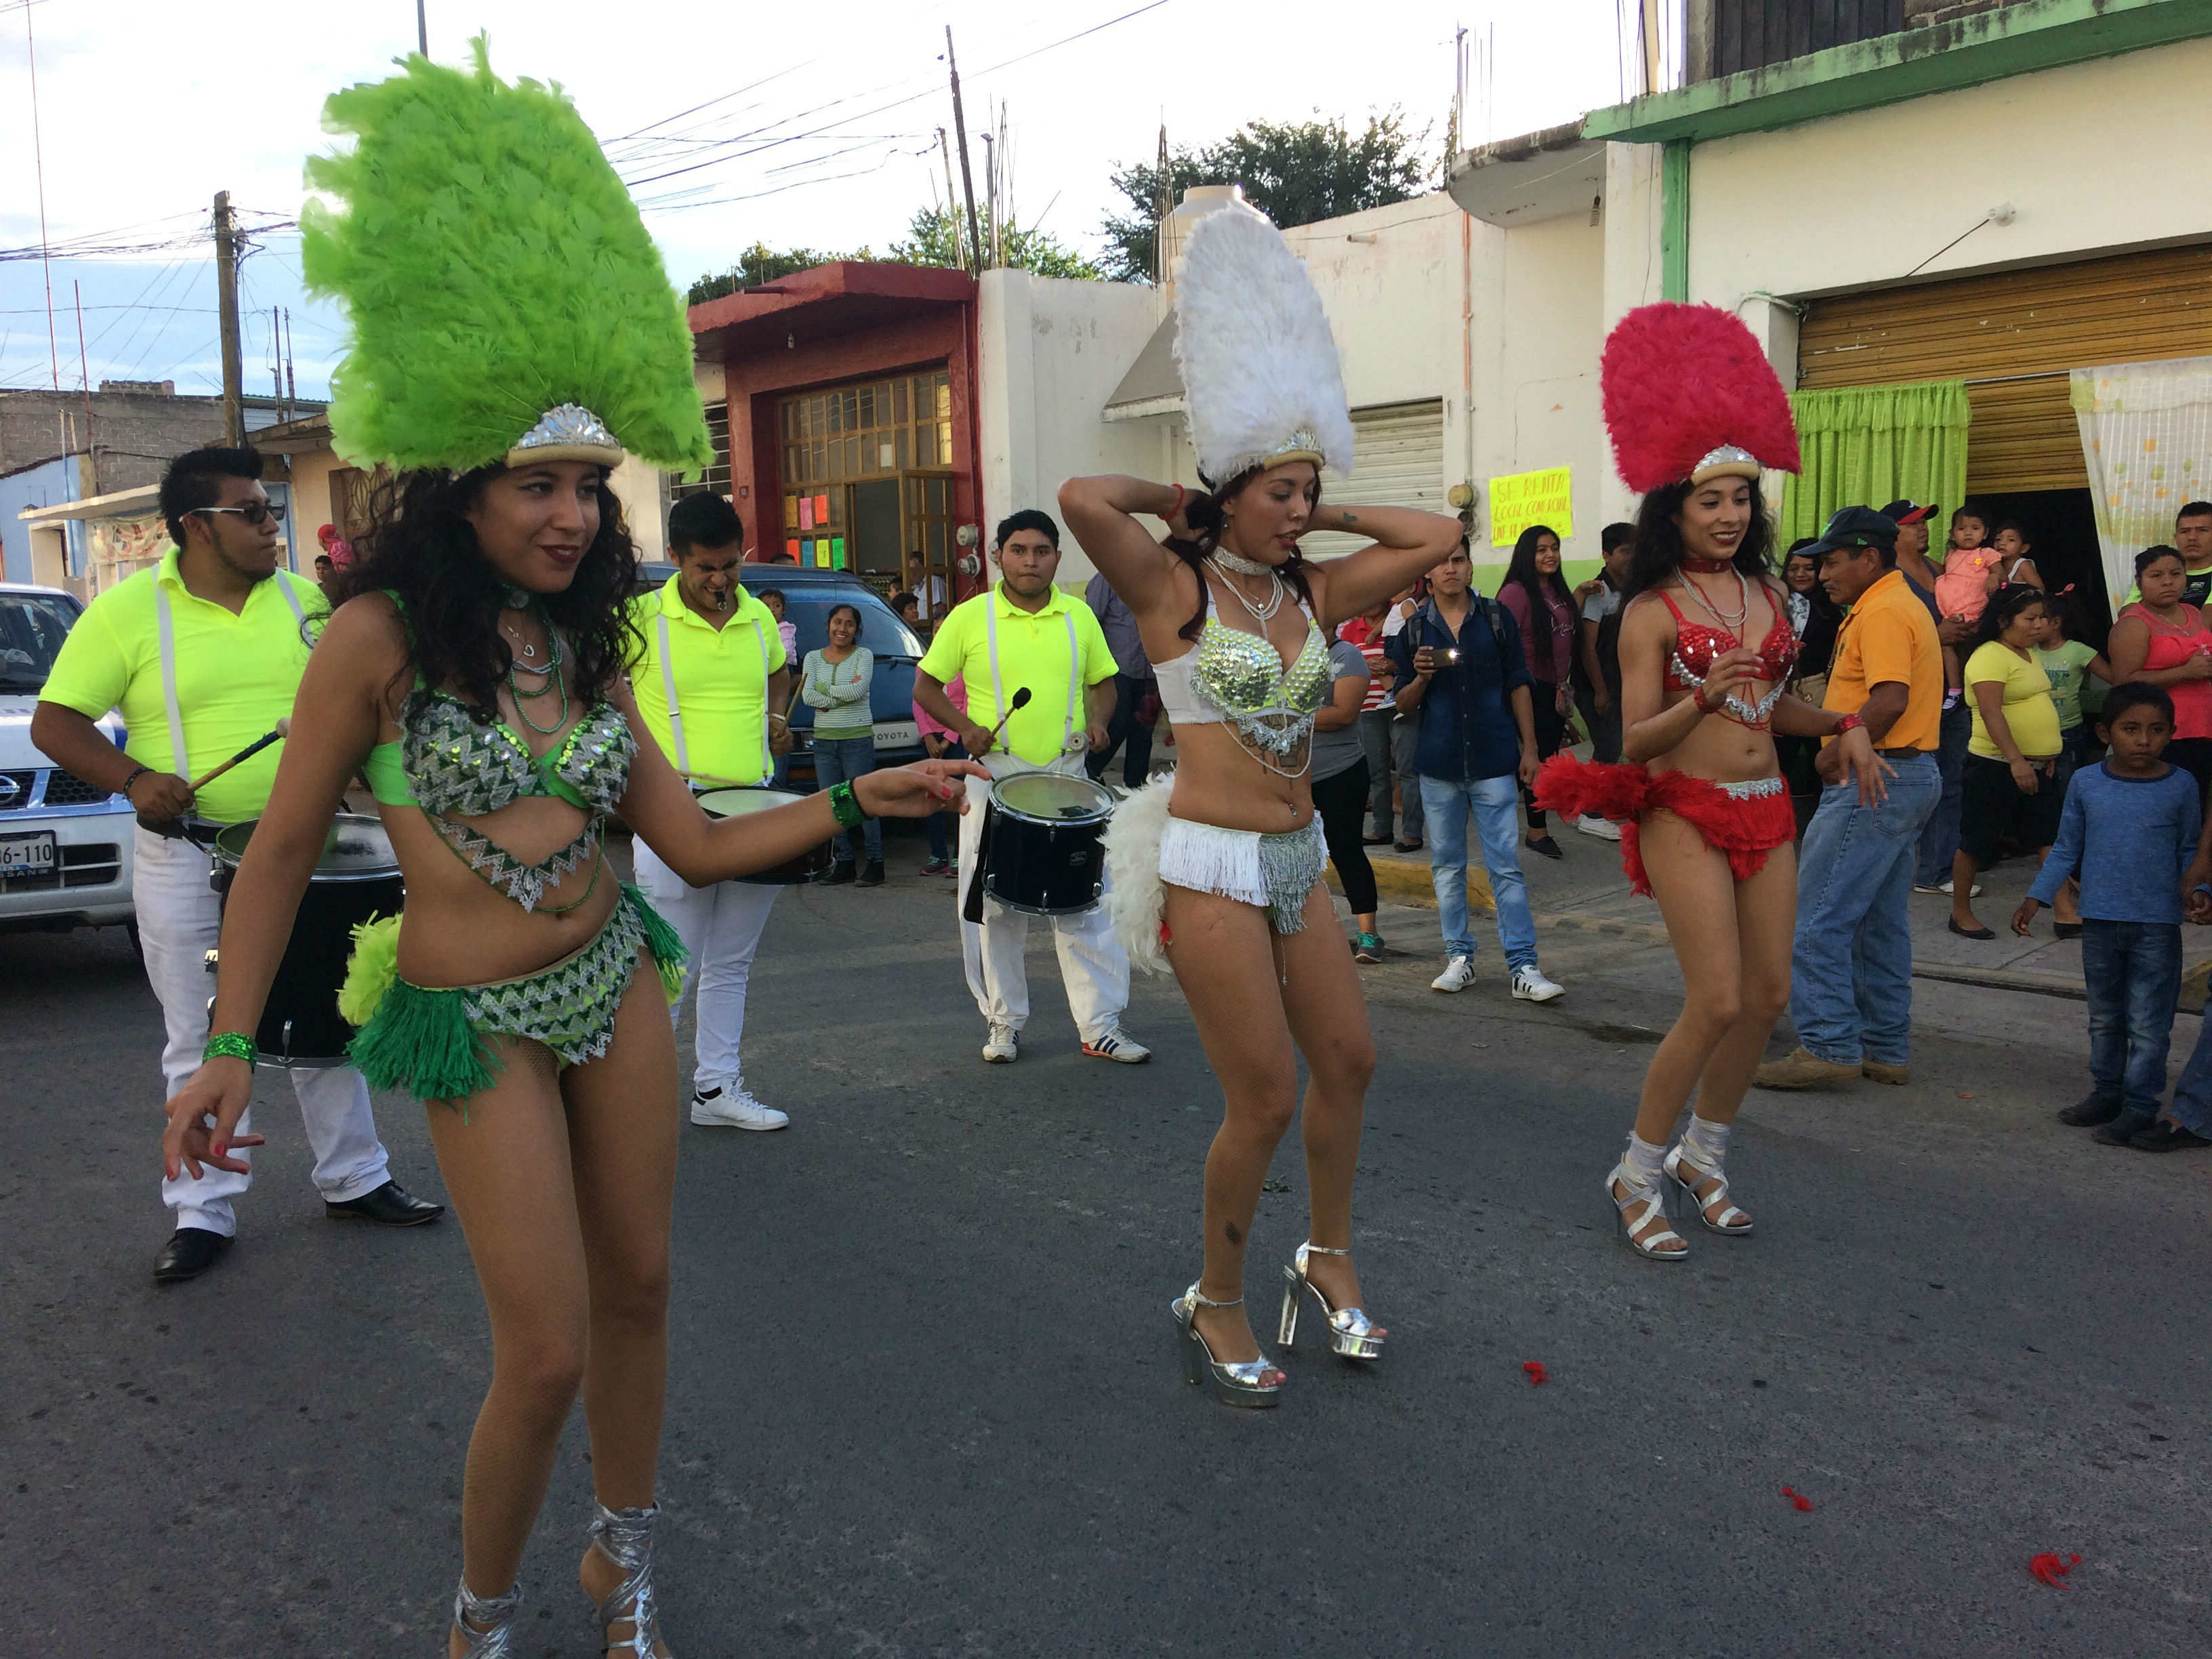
(1521, 499)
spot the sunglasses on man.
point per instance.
(255, 514)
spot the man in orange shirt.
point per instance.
(1851, 991)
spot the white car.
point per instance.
(65, 846)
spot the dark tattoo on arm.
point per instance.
(1228, 1229)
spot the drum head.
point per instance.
(741, 799)
(357, 848)
(1051, 797)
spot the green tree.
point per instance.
(761, 263)
(934, 237)
(1295, 172)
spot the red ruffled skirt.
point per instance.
(1745, 828)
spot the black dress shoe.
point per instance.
(2123, 1129)
(1546, 845)
(190, 1252)
(390, 1205)
(2165, 1136)
(872, 874)
(837, 874)
(2090, 1113)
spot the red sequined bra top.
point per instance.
(1696, 646)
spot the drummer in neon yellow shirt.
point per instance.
(1024, 632)
(235, 626)
(713, 686)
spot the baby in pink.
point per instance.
(1969, 576)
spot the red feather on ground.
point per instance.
(1537, 1374)
(1797, 1499)
(2051, 1569)
(1678, 382)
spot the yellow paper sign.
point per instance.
(1521, 498)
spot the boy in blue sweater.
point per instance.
(2129, 831)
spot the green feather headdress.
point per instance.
(505, 300)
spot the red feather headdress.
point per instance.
(1689, 396)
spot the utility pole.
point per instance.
(291, 371)
(967, 179)
(91, 455)
(1162, 205)
(277, 357)
(39, 163)
(952, 199)
(226, 282)
(422, 30)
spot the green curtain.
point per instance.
(1867, 445)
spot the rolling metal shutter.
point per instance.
(1398, 460)
(2012, 337)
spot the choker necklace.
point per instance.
(1262, 614)
(1706, 567)
(1240, 564)
(512, 598)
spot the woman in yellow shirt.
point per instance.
(2011, 785)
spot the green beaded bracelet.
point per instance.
(845, 806)
(236, 1045)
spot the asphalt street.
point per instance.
(927, 1399)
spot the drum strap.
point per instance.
(1074, 669)
(675, 713)
(165, 622)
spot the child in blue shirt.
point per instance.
(2128, 831)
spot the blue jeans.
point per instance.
(1494, 803)
(2133, 970)
(2193, 1095)
(1939, 840)
(839, 760)
(1851, 967)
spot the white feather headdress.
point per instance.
(1259, 364)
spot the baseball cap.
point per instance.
(1903, 512)
(1853, 527)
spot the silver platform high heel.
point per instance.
(1351, 1332)
(1243, 1383)
(625, 1538)
(492, 1635)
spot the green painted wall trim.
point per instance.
(1675, 220)
(1964, 51)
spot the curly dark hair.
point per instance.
(1658, 553)
(420, 548)
(1202, 513)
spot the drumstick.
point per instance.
(283, 728)
(1019, 700)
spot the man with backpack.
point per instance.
(1462, 675)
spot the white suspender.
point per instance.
(165, 623)
(676, 714)
(1074, 667)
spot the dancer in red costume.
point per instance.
(1696, 414)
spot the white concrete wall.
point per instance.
(1050, 354)
(2095, 158)
(1538, 406)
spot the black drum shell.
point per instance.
(739, 798)
(1046, 866)
(300, 1022)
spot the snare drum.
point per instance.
(1048, 843)
(356, 879)
(739, 800)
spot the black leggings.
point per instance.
(1551, 726)
(1341, 800)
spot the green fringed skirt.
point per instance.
(433, 1043)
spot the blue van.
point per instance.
(809, 596)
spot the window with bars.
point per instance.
(875, 429)
(716, 477)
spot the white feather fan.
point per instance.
(1259, 365)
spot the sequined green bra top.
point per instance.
(1238, 679)
(448, 761)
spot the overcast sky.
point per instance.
(148, 108)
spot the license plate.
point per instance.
(29, 855)
(897, 734)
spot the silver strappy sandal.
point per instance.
(492, 1634)
(1351, 1332)
(1711, 1203)
(625, 1538)
(1236, 1382)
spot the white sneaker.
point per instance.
(1604, 829)
(1945, 889)
(1529, 985)
(733, 1109)
(1116, 1044)
(1458, 975)
(1004, 1047)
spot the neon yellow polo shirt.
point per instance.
(721, 683)
(1033, 651)
(236, 676)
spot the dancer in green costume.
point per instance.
(513, 331)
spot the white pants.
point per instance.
(1092, 964)
(178, 921)
(720, 926)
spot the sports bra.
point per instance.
(1696, 645)
(1235, 678)
(446, 761)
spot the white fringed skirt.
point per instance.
(1147, 849)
